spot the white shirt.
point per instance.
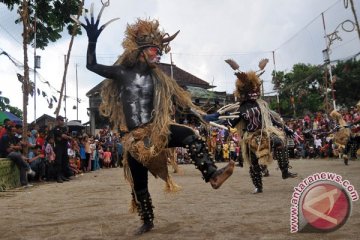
(318, 142)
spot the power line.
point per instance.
(10, 35)
(19, 65)
(302, 29)
(220, 54)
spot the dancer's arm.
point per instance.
(93, 32)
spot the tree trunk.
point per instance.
(67, 61)
(26, 82)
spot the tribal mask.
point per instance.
(247, 83)
(144, 34)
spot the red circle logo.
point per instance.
(326, 206)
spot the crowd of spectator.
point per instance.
(223, 144)
(315, 135)
(57, 154)
(313, 138)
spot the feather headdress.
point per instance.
(142, 34)
(247, 83)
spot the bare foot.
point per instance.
(221, 175)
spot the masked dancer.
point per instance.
(138, 98)
(262, 130)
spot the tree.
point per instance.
(346, 82)
(44, 19)
(73, 33)
(5, 106)
(300, 90)
(304, 89)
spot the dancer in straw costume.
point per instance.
(139, 98)
(262, 130)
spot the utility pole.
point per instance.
(326, 57)
(65, 90)
(35, 92)
(171, 67)
(277, 92)
(77, 93)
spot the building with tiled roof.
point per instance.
(199, 89)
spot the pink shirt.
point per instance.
(107, 155)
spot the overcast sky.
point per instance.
(210, 31)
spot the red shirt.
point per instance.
(2, 131)
(40, 142)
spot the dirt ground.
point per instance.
(96, 206)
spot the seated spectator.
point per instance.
(11, 148)
(6, 122)
(50, 158)
(37, 163)
(107, 158)
(74, 165)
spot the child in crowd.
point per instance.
(73, 162)
(101, 155)
(107, 158)
(49, 158)
(226, 152)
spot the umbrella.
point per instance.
(9, 115)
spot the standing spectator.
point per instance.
(318, 145)
(82, 154)
(40, 140)
(232, 148)
(307, 120)
(226, 153)
(61, 156)
(94, 158)
(238, 156)
(101, 155)
(32, 136)
(86, 143)
(119, 150)
(218, 151)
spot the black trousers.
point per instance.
(140, 173)
(61, 165)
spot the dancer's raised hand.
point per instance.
(92, 27)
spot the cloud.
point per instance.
(210, 31)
